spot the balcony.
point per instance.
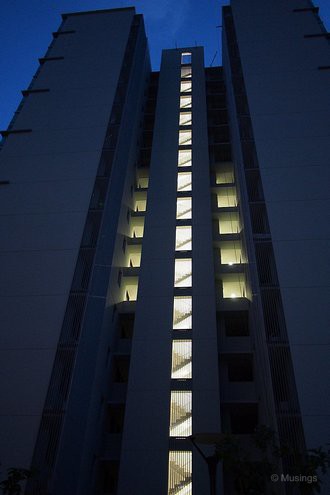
(111, 446)
(118, 393)
(233, 285)
(227, 345)
(238, 392)
(142, 178)
(227, 197)
(136, 225)
(126, 307)
(133, 256)
(140, 202)
(228, 224)
(130, 285)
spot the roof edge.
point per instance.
(100, 11)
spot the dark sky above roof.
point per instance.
(26, 27)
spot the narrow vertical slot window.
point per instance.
(183, 273)
(181, 414)
(184, 158)
(184, 181)
(181, 359)
(179, 473)
(183, 208)
(182, 313)
(185, 138)
(183, 238)
(185, 118)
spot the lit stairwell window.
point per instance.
(183, 208)
(185, 87)
(184, 181)
(183, 273)
(183, 238)
(185, 118)
(180, 473)
(182, 313)
(233, 285)
(181, 359)
(229, 223)
(231, 252)
(185, 101)
(186, 72)
(185, 138)
(181, 414)
(184, 158)
(227, 197)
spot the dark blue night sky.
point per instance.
(26, 28)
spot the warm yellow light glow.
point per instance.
(140, 205)
(181, 414)
(229, 223)
(185, 118)
(183, 238)
(183, 208)
(185, 101)
(183, 273)
(137, 226)
(130, 288)
(182, 313)
(142, 182)
(233, 285)
(133, 253)
(185, 87)
(181, 359)
(185, 138)
(184, 181)
(231, 252)
(179, 473)
(184, 158)
(227, 197)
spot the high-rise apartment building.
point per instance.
(164, 251)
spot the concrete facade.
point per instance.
(90, 290)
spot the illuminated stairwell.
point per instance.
(180, 474)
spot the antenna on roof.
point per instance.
(213, 58)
